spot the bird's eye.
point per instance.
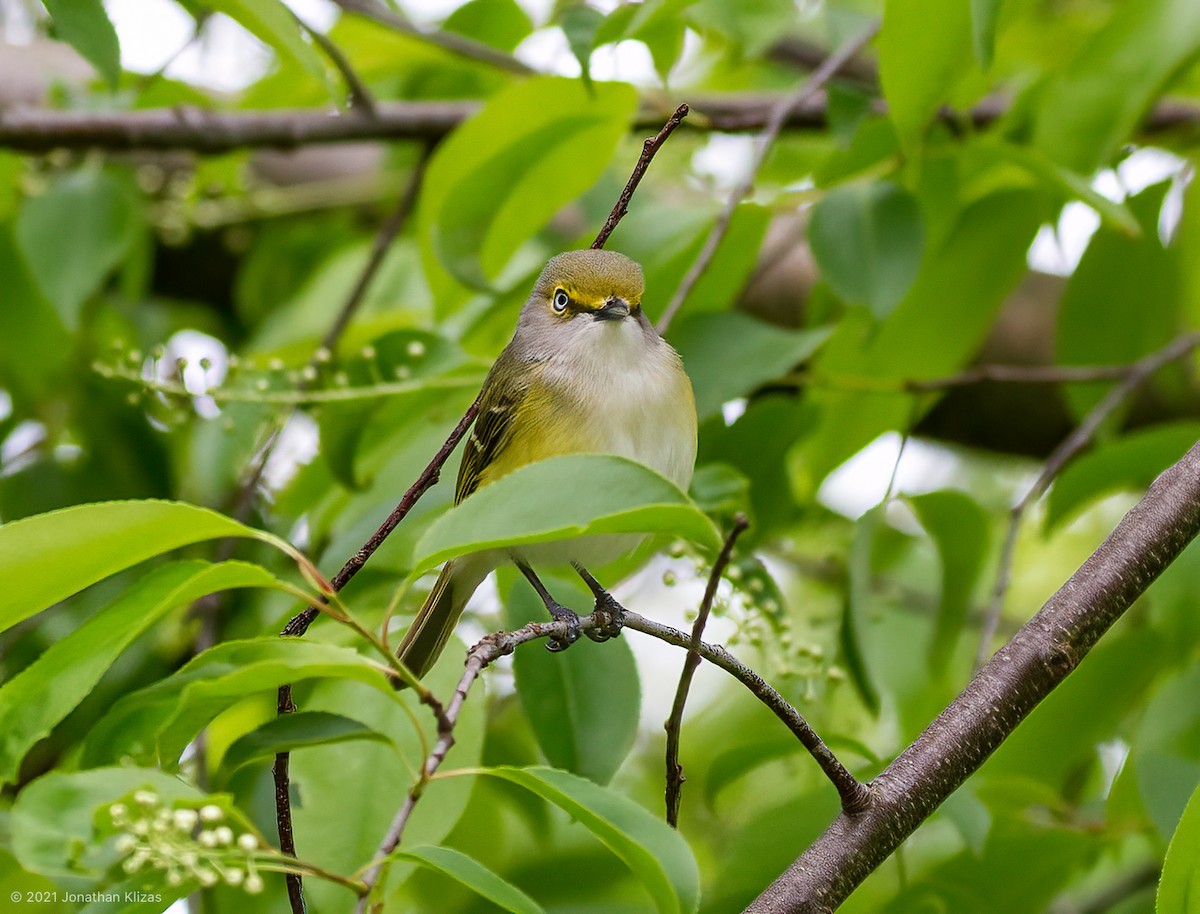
(561, 300)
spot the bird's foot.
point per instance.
(609, 616)
(560, 613)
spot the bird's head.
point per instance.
(589, 286)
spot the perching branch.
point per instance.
(210, 132)
(674, 722)
(998, 698)
(649, 147)
(1134, 376)
(775, 121)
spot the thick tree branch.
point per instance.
(674, 722)
(200, 130)
(1135, 375)
(998, 698)
(780, 112)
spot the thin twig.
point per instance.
(650, 147)
(779, 114)
(674, 722)
(447, 41)
(1001, 695)
(1135, 375)
(492, 647)
(360, 96)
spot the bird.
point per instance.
(585, 372)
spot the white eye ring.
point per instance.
(561, 300)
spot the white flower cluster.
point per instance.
(184, 843)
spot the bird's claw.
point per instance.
(610, 618)
(561, 613)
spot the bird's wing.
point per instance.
(502, 397)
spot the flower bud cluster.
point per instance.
(184, 843)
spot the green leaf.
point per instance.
(1088, 109)
(580, 23)
(856, 621)
(74, 233)
(290, 732)
(1129, 463)
(1166, 749)
(984, 14)
(51, 556)
(85, 26)
(867, 240)
(583, 706)
(274, 24)
(654, 851)
(1096, 324)
(500, 23)
(498, 179)
(560, 498)
(34, 345)
(156, 723)
(53, 830)
(42, 694)
(959, 528)
(729, 354)
(474, 875)
(924, 45)
(1179, 888)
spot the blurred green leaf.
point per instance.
(1089, 107)
(583, 704)
(85, 26)
(655, 852)
(718, 488)
(868, 240)
(728, 355)
(580, 23)
(501, 23)
(1166, 749)
(1179, 888)
(984, 14)
(560, 498)
(74, 233)
(156, 723)
(51, 556)
(34, 345)
(856, 621)
(474, 875)
(42, 694)
(273, 23)
(1130, 463)
(289, 732)
(498, 179)
(959, 528)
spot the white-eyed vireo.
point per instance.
(585, 372)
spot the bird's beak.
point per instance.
(615, 309)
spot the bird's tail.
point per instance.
(432, 627)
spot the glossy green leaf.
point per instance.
(498, 179)
(655, 852)
(959, 528)
(1091, 106)
(856, 621)
(42, 694)
(51, 556)
(584, 704)
(729, 354)
(1096, 324)
(85, 26)
(474, 875)
(1130, 463)
(923, 46)
(156, 723)
(299, 730)
(564, 497)
(74, 233)
(868, 240)
(1179, 887)
(274, 24)
(53, 819)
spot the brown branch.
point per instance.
(779, 114)
(808, 55)
(998, 698)
(1134, 376)
(359, 95)
(674, 722)
(650, 147)
(459, 45)
(208, 132)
